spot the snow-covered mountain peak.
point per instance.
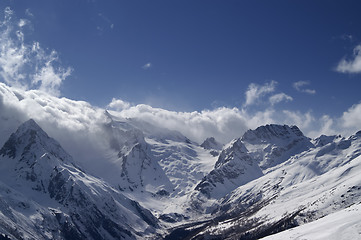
(30, 125)
(233, 168)
(211, 144)
(121, 134)
(271, 132)
(233, 151)
(324, 140)
(273, 144)
(30, 138)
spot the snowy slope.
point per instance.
(308, 186)
(342, 225)
(46, 196)
(247, 158)
(233, 168)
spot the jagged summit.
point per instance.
(324, 140)
(233, 168)
(272, 131)
(29, 127)
(30, 124)
(211, 144)
(30, 137)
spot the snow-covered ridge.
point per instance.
(233, 168)
(271, 132)
(270, 179)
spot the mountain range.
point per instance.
(150, 182)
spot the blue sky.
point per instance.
(196, 55)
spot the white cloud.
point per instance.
(327, 127)
(277, 98)
(27, 66)
(23, 22)
(299, 86)
(118, 104)
(352, 65)
(351, 119)
(255, 92)
(147, 66)
(222, 123)
(48, 77)
(75, 124)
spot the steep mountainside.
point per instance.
(247, 158)
(44, 195)
(308, 186)
(273, 144)
(233, 168)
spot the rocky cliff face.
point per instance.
(233, 168)
(273, 144)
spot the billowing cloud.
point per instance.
(80, 127)
(118, 104)
(222, 123)
(300, 86)
(255, 92)
(75, 124)
(304, 121)
(352, 65)
(351, 119)
(147, 66)
(279, 97)
(328, 126)
(23, 22)
(27, 65)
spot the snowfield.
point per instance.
(341, 225)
